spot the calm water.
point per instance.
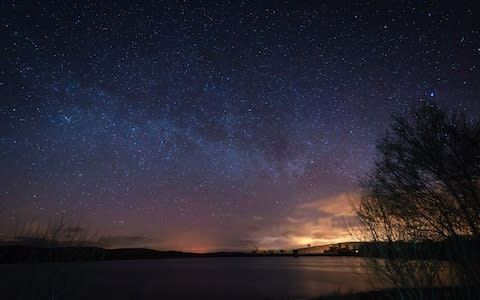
(191, 278)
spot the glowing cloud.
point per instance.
(318, 222)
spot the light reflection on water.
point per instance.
(191, 278)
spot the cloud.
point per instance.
(44, 234)
(340, 203)
(323, 221)
(258, 218)
(125, 241)
(37, 233)
(74, 229)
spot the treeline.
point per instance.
(424, 186)
(454, 249)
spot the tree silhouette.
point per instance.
(425, 186)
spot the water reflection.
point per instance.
(198, 278)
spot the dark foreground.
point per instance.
(186, 278)
(436, 293)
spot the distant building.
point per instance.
(347, 248)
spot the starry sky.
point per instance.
(205, 126)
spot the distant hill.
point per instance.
(36, 254)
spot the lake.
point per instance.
(187, 278)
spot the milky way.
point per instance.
(213, 126)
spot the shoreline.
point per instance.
(20, 254)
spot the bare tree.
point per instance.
(425, 189)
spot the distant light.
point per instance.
(432, 94)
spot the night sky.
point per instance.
(201, 126)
